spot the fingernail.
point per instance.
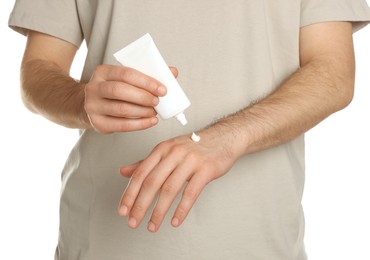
(124, 210)
(132, 222)
(175, 222)
(151, 227)
(161, 90)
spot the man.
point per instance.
(259, 74)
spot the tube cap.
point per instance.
(181, 118)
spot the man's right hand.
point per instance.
(116, 99)
(122, 99)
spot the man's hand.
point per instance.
(121, 99)
(116, 99)
(172, 165)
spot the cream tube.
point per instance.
(144, 56)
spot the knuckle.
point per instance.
(124, 127)
(145, 97)
(157, 216)
(114, 90)
(192, 157)
(128, 198)
(127, 74)
(169, 188)
(143, 125)
(148, 183)
(138, 208)
(138, 176)
(151, 84)
(191, 193)
(177, 150)
(122, 109)
(207, 166)
(161, 148)
(181, 212)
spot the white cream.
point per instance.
(195, 137)
(144, 56)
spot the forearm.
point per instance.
(310, 95)
(49, 91)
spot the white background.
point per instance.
(33, 151)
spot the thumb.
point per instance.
(127, 171)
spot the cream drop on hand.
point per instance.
(144, 56)
(195, 137)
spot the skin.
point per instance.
(322, 85)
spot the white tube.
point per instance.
(144, 56)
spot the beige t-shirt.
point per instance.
(229, 53)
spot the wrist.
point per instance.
(227, 135)
(83, 116)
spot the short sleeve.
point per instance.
(58, 18)
(315, 11)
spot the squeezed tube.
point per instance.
(144, 56)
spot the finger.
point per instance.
(123, 109)
(128, 170)
(149, 188)
(133, 188)
(108, 125)
(116, 90)
(167, 195)
(132, 77)
(189, 196)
